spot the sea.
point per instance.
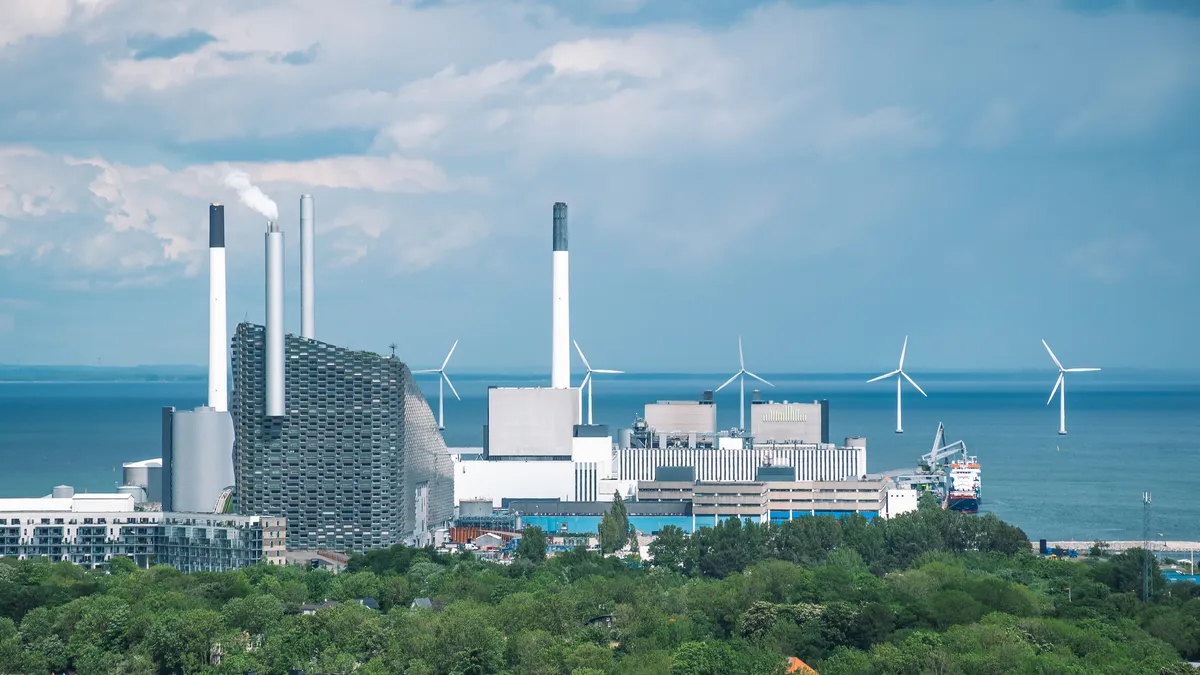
(1130, 432)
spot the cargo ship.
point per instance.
(963, 485)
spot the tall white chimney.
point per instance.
(275, 349)
(560, 347)
(218, 378)
(308, 269)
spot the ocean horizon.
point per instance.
(1130, 431)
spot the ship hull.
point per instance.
(963, 503)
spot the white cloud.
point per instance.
(33, 18)
(137, 225)
(514, 92)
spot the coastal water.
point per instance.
(1129, 433)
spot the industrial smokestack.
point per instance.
(560, 347)
(218, 382)
(308, 269)
(275, 357)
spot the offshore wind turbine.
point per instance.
(900, 377)
(443, 378)
(742, 373)
(587, 379)
(1060, 388)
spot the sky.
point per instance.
(821, 178)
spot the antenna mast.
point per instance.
(1145, 547)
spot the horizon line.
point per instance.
(539, 371)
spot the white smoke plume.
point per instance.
(252, 196)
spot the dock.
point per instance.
(1120, 546)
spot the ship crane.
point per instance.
(941, 451)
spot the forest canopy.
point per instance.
(928, 592)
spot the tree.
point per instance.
(532, 546)
(669, 548)
(1098, 549)
(926, 501)
(614, 526)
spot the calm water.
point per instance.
(1129, 433)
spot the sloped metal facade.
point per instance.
(357, 453)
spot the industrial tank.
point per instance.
(63, 492)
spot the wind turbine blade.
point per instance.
(582, 357)
(882, 377)
(415, 372)
(608, 372)
(1054, 391)
(903, 351)
(741, 359)
(1080, 370)
(586, 378)
(759, 378)
(910, 381)
(452, 389)
(1052, 356)
(730, 380)
(449, 354)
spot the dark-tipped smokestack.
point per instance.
(275, 348)
(560, 346)
(308, 267)
(218, 382)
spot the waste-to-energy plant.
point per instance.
(341, 442)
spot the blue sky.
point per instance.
(820, 177)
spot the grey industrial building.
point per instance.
(355, 461)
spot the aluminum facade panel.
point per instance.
(357, 445)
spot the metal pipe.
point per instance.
(275, 348)
(308, 269)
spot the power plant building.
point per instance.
(197, 445)
(808, 462)
(354, 462)
(772, 422)
(669, 417)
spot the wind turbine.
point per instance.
(1060, 388)
(900, 376)
(742, 373)
(443, 377)
(587, 379)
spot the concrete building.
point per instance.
(682, 417)
(528, 422)
(785, 422)
(92, 529)
(355, 462)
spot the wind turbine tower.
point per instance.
(741, 374)
(443, 378)
(900, 376)
(587, 379)
(1060, 388)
